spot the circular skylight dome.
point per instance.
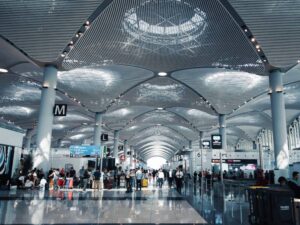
(169, 22)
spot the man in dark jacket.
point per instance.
(293, 184)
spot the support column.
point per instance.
(131, 158)
(97, 136)
(44, 129)
(281, 152)
(29, 135)
(191, 160)
(97, 129)
(222, 130)
(116, 142)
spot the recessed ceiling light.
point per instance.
(2, 70)
(253, 39)
(84, 124)
(160, 108)
(162, 74)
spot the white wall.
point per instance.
(9, 137)
(12, 138)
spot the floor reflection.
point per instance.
(198, 204)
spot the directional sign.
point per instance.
(104, 137)
(78, 151)
(206, 144)
(216, 141)
(60, 110)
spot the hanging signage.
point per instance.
(78, 151)
(206, 144)
(216, 141)
(60, 110)
(104, 137)
(235, 161)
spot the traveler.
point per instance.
(139, 177)
(195, 177)
(43, 183)
(86, 177)
(282, 181)
(128, 181)
(81, 175)
(170, 178)
(96, 181)
(293, 184)
(179, 178)
(160, 179)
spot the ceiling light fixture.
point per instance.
(160, 108)
(253, 39)
(162, 74)
(2, 70)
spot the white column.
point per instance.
(44, 129)
(131, 158)
(281, 152)
(116, 142)
(222, 130)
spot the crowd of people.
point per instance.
(87, 178)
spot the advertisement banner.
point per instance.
(78, 151)
(6, 160)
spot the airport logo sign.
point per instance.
(60, 110)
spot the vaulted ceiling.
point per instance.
(216, 54)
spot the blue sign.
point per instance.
(77, 151)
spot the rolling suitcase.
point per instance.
(144, 182)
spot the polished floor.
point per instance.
(196, 205)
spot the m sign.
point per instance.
(60, 110)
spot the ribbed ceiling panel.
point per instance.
(163, 92)
(275, 25)
(224, 89)
(43, 28)
(97, 87)
(165, 35)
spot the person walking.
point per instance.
(160, 177)
(170, 178)
(179, 178)
(139, 177)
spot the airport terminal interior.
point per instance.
(150, 112)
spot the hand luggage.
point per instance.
(144, 182)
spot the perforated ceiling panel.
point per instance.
(159, 131)
(224, 89)
(97, 87)
(257, 119)
(162, 117)
(163, 92)
(165, 35)
(43, 28)
(119, 118)
(251, 131)
(200, 119)
(275, 25)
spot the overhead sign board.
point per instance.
(216, 141)
(104, 137)
(60, 110)
(78, 151)
(206, 144)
